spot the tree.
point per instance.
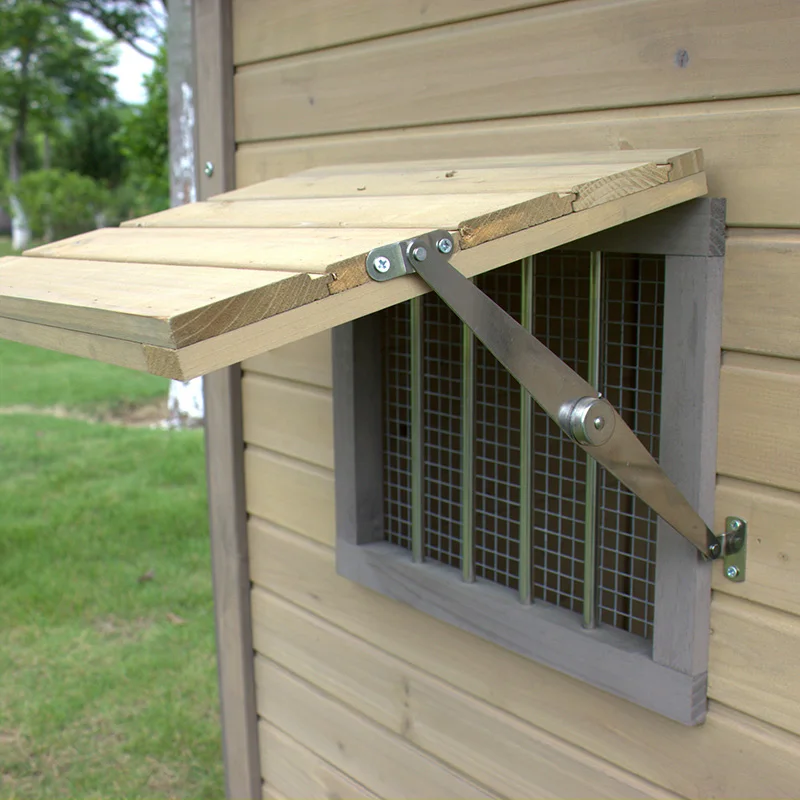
(144, 142)
(50, 65)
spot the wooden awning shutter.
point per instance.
(199, 287)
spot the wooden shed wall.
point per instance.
(361, 696)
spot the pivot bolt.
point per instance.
(599, 423)
(734, 525)
(419, 253)
(444, 246)
(208, 169)
(731, 572)
(381, 264)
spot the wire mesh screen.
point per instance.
(496, 445)
(560, 321)
(396, 348)
(633, 321)
(441, 382)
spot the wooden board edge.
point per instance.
(685, 164)
(512, 219)
(617, 185)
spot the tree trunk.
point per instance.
(47, 161)
(20, 227)
(185, 399)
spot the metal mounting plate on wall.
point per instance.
(735, 551)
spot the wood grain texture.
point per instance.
(491, 747)
(305, 361)
(368, 296)
(762, 293)
(773, 546)
(262, 31)
(288, 418)
(631, 53)
(272, 484)
(286, 250)
(149, 303)
(638, 741)
(754, 656)
(297, 772)
(160, 303)
(755, 442)
(373, 756)
(751, 148)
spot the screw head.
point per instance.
(714, 550)
(444, 246)
(381, 264)
(208, 169)
(419, 253)
(731, 572)
(734, 525)
(599, 423)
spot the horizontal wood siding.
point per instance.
(361, 696)
(564, 57)
(751, 147)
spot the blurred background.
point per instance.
(107, 665)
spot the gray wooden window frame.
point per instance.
(668, 674)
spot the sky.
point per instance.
(130, 70)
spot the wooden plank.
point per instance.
(773, 547)
(306, 361)
(267, 31)
(668, 51)
(751, 148)
(369, 296)
(271, 793)
(688, 454)
(285, 250)
(271, 484)
(368, 753)
(754, 656)
(755, 442)
(365, 211)
(297, 772)
(441, 177)
(762, 293)
(100, 348)
(224, 445)
(637, 740)
(153, 304)
(493, 748)
(289, 419)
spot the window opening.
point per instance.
(480, 430)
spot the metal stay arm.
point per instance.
(585, 416)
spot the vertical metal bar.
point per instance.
(526, 449)
(590, 516)
(467, 454)
(417, 433)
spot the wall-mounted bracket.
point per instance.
(734, 557)
(579, 410)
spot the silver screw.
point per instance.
(444, 246)
(599, 423)
(734, 524)
(419, 253)
(381, 264)
(732, 572)
(208, 169)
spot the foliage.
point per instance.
(144, 141)
(89, 144)
(51, 64)
(61, 203)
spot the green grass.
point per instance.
(42, 378)
(107, 683)
(5, 246)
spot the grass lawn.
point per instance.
(108, 682)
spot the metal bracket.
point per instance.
(734, 557)
(579, 410)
